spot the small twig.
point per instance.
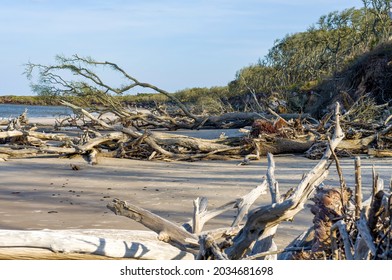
(343, 185)
(374, 185)
(358, 188)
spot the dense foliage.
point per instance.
(301, 61)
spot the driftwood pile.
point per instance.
(125, 136)
(138, 134)
(368, 131)
(131, 133)
(345, 226)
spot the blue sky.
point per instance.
(173, 44)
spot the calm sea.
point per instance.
(33, 111)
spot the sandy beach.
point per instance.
(45, 193)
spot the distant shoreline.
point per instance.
(142, 99)
(8, 111)
(28, 100)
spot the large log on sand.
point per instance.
(86, 244)
(286, 146)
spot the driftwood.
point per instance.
(124, 135)
(270, 133)
(202, 215)
(380, 153)
(167, 231)
(86, 244)
(337, 233)
(98, 135)
(345, 231)
(265, 242)
(332, 241)
(264, 219)
(178, 115)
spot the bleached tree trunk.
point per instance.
(87, 244)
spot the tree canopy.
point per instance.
(301, 61)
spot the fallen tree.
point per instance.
(91, 86)
(85, 244)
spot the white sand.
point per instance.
(42, 120)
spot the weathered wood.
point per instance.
(50, 136)
(113, 136)
(343, 186)
(209, 249)
(374, 182)
(387, 119)
(158, 140)
(358, 188)
(284, 145)
(272, 183)
(266, 241)
(268, 216)
(374, 211)
(380, 153)
(341, 226)
(304, 240)
(361, 249)
(221, 233)
(191, 143)
(65, 244)
(242, 204)
(356, 144)
(366, 237)
(4, 122)
(199, 210)
(10, 133)
(23, 152)
(167, 231)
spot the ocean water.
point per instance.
(33, 111)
